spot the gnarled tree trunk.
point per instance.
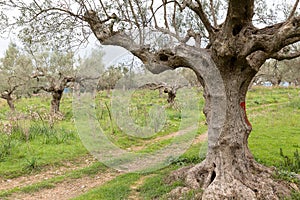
(55, 102)
(229, 170)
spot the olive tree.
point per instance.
(293, 75)
(90, 69)
(15, 72)
(110, 77)
(54, 71)
(220, 41)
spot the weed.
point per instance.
(290, 164)
(6, 146)
(31, 164)
(294, 196)
(183, 161)
(287, 175)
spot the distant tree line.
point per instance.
(279, 72)
(26, 72)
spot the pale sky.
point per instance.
(3, 46)
(111, 52)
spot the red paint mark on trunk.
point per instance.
(243, 105)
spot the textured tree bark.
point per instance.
(55, 102)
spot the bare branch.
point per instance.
(281, 56)
(103, 8)
(134, 15)
(167, 2)
(165, 13)
(141, 13)
(212, 8)
(153, 14)
(136, 22)
(200, 12)
(55, 9)
(167, 31)
(293, 10)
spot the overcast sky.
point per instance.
(3, 46)
(110, 52)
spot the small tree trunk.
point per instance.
(278, 82)
(171, 95)
(160, 92)
(55, 102)
(10, 103)
(9, 100)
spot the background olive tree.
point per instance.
(15, 75)
(54, 72)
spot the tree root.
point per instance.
(254, 183)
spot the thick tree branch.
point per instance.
(272, 39)
(239, 14)
(156, 62)
(256, 59)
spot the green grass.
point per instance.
(31, 145)
(29, 156)
(142, 101)
(276, 126)
(34, 145)
(155, 187)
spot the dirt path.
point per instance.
(165, 137)
(201, 138)
(51, 172)
(134, 195)
(67, 189)
(74, 187)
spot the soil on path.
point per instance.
(47, 173)
(68, 189)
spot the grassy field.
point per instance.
(32, 142)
